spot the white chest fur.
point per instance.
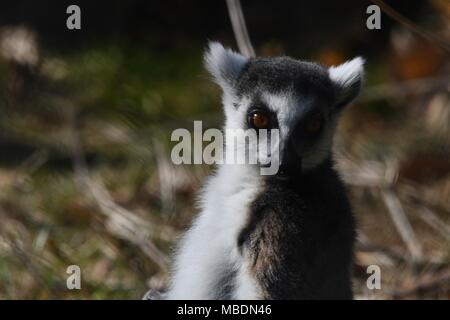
(210, 245)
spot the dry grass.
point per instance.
(86, 180)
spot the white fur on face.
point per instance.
(289, 110)
(284, 105)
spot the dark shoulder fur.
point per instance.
(300, 245)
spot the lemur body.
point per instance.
(286, 236)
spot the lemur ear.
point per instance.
(224, 65)
(347, 79)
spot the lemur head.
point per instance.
(301, 99)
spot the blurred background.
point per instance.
(86, 117)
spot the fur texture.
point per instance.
(287, 236)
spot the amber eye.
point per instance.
(259, 120)
(314, 124)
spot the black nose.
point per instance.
(282, 171)
(291, 162)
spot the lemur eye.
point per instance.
(259, 120)
(314, 124)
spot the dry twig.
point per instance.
(239, 28)
(411, 25)
(430, 218)
(120, 221)
(401, 222)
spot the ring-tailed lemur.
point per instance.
(287, 236)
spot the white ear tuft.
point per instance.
(348, 72)
(223, 64)
(347, 78)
